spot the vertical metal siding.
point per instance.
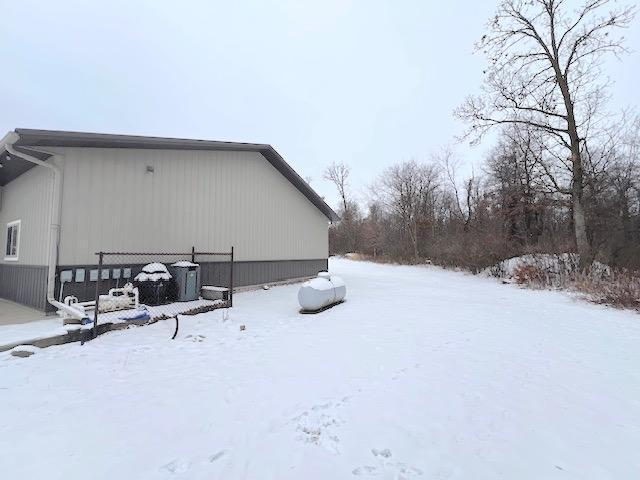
(26, 284)
(28, 198)
(210, 199)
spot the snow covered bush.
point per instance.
(545, 269)
(600, 283)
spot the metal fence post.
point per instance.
(95, 311)
(193, 254)
(231, 281)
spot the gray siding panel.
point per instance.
(26, 284)
(210, 199)
(259, 272)
(28, 199)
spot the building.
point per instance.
(67, 195)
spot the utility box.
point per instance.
(210, 292)
(187, 277)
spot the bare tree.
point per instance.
(520, 184)
(544, 73)
(372, 230)
(509, 207)
(338, 174)
(449, 164)
(616, 209)
(407, 191)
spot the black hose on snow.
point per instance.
(176, 332)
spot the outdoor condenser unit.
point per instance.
(187, 277)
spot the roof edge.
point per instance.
(60, 138)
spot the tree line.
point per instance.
(564, 174)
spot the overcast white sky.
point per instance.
(365, 82)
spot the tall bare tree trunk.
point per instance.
(577, 180)
(579, 221)
(577, 190)
(414, 240)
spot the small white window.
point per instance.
(12, 245)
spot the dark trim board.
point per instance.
(245, 273)
(25, 284)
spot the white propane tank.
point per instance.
(321, 292)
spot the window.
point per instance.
(13, 241)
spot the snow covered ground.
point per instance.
(422, 373)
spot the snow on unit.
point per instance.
(184, 263)
(153, 272)
(321, 292)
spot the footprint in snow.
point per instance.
(217, 456)
(398, 470)
(400, 373)
(386, 453)
(179, 466)
(318, 425)
(142, 349)
(196, 338)
(366, 470)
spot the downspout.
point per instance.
(56, 212)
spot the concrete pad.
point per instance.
(12, 313)
(15, 334)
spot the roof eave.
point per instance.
(52, 138)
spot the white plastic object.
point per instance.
(124, 298)
(322, 291)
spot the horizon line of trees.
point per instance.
(421, 211)
(563, 175)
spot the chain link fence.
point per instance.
(144, 287)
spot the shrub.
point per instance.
(530, 275)
(621, 289)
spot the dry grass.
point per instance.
(616, 288)
(531, 275)
(620, 289)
